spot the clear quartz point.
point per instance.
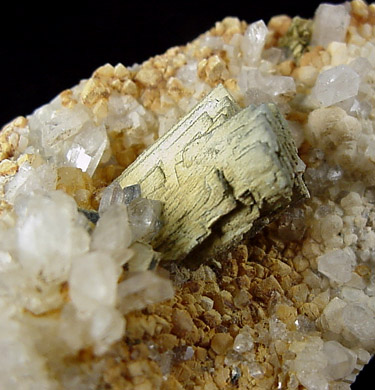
(131, 192)
(144, 217)
(115, 194)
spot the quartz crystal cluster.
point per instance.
(85, 306)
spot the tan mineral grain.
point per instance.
(280, 24)
(221, 343)
(76, 183)
(287, 314)
(10, 137)
(8, 167)
(93, 91)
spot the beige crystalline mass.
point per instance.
(293, 308)
(218, 169)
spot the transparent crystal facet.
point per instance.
(115, 194)
(337, 265)
(330, 24)
(87, 149)
(336, 85)
(144, 216)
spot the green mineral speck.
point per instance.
(297, 37)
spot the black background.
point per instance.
(45, 49)
(48, 47)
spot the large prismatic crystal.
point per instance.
(220, 168)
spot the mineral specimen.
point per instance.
(291, 309)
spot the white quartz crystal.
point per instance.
(253, 42)
(341, 360)
(73, 328)
(52, 124)
(143, 288)
(337, 265)
(215, 43)
(336, 85)
(361, 66)
(310, 363)
(92, 281)
(87, 149)
(113, 234)
(330, 24)
(107, 325)
(68, 136)
(352, 295)
(251, 80)
(143, 257)
(127, 112)
(188, 73)
(331, 318)
(360, 322)
(48, 220)
(313, 380)
(29, 179)
(20, 365)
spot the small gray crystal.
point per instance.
(115, 194)
(144, 218)
(131, 192)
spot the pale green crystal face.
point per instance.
(219, 168)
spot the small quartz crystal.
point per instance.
(141, 289)
(127, 219)
(114, 194)
(330, 24)
(29, 179)
(336, 85)
(87, 149)
(243, 341)
(48, 219)
(359, 320)
(113, 233)
(267, 86)
(253, 42)
(144, 218)
(337, 265)
(93, 280)
(143, 258)
(341, 360)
